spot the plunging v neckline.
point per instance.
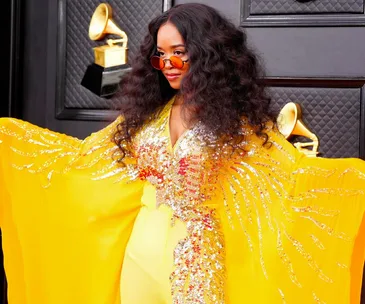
(174, 145)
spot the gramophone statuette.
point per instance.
(110, 63)
(290, 123)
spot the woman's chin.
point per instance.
(174, 85)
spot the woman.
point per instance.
(198, 198)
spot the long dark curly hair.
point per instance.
(223, 81)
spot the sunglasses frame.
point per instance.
(164, 62)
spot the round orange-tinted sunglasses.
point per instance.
(158, 63)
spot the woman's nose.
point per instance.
(168, 64)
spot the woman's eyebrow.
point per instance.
(173, 46)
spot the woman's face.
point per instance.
(170, 43)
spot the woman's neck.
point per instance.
(179, 100)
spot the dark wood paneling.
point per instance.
(11, 24)
(35, 79)
(73, 101)
(329, 83)
(328, 104)
(5, 23)
(62, 112)
(11, 58)
(299, 19)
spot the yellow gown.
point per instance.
(193, 223)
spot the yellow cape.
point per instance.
(290, 225)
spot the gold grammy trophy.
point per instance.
(290, 123)
(103, 76)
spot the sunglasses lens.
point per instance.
(176, 62)
(157, 63)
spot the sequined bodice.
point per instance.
(183, 176)
(179, 173)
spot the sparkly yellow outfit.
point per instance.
(186, 224)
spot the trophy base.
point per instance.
(103, 82)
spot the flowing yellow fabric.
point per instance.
(188, 223)
(299, 218)
(64, 226)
